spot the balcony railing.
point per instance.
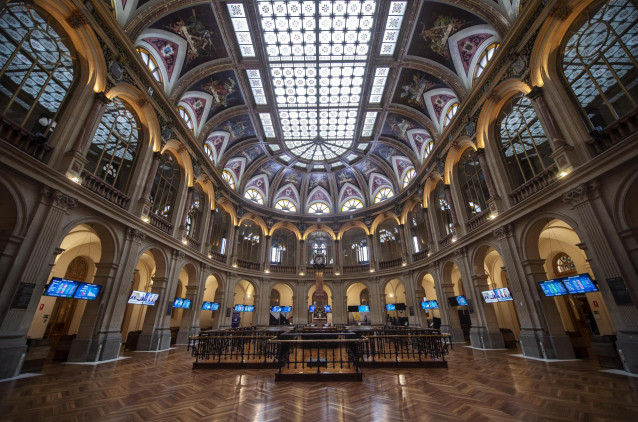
(103, 189)
(326, 270)
(534, 185)
(390, 264)
(478, 220)
(193, 243)
(348, 269)
(217, 256)
(446, 240)
(615, 133)
(160, 223)
(248, 265)
(283, 269)
(419, 255)
(22, 139)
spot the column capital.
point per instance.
(535, 93)
(135, 235)
(101, 98)
(460, 252)
(59, 199)
(177, 255)
(581, 194)
(506, 230)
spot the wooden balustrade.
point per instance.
(446, 240)
(216, 256)
(417, 256)
(22, 139)
(248, 265)
(535, 185)
(160, 223)
(103, 189)
(348, 269)
(283, 269)
(478, 220)
(390, 264)
(193, 243)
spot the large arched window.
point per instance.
(389, 240)
(524, 145)
(209, 152)
(472, 182)
(150, 63)
(408, 177)
(355, 247)
(229, 179)
(165, 186)
(36, 70)
(186, 117)
(383, 194)
(248, 240)
(219, 231)
(486, 56)
(319, 208)
(600, 61)
(113, 151)
(196, 213)
(286, 205)
(443, 212)
(319, 242)
(255, 196)
(451, 112)
(283, 249)
(351, 205)
(418, 229)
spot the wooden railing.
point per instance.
(103, 189)
(478, 220)
(348, 269)
(419, 255)
(390, 264)
(446, 240)
(534, 185)
(160, 223)
(193, 243)
(283, 269)
(248, 265)
(615, 133)
(22, 139)
(217, 256)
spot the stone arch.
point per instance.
(182, 157)
(351, 225)
(160, 258)
(319, 228)
(208, 188)
(109, 239)
(430, 185)
(381, 218)
(531, 232)
(229, 208)
(285, 225)
(255, 219)
(454, 155)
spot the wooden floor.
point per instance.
(477, 386)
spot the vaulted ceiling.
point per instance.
(317, 101)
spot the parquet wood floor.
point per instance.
(477, 386)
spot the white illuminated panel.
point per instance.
(378, 84)
(368, 123)
(257, 86)
(242, 31)
(317, 52)
(266, 123)
(392, 27)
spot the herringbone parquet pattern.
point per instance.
(478, 386)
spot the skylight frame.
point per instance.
(393, 27)
(257, 86)
(239, 20)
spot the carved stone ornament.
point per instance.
(460, 252)
(269, 221)
(470, 129)
(135, 235)
(519, 65)
(59, 199)
(76, 19)
(240, 211)
(178, 255)
(503, 231)
(581, 194)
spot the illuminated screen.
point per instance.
(286, 309)
(390, 307)
(327, 308)
(364, 308)
(239, 308)
(581, 283)
(87, 291)
(553, 288)
(60, 287)
(311, 308)
(433, 304)
(249, 308)
(178, 303)
(489, 296)
(503, 295)
(207, 306)
(275, 309)
(143, 298)
(214, 306)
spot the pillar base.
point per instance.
(182, 337)
(627, 346)
(105, 346)
(12, 354)
(456, 333)
(481, 338)
(535, 343)
(160, 339)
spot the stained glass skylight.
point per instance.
(392, 27)
(368, 123)
(257, 86)
(242, 31)
(378, 84)
(266, 123)
(317, 52)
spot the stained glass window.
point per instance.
(229, 179)
(408, 177)
(451, 111)
(351, 205)
(209, 152)
(383, 194)
(255, 196)
(472, 181)
(165, 186)
(318, 208)
(524, 145)
(36, 69)
(485, 57)
(113, 151)
(186, 117)
(150, 63)
(600, 61)
(285, 205)
(564, 265)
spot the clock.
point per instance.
(319, 259)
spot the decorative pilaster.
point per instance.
(267, 248)
(404, 246)
(448, 198)
(372, 252)
(144, 201)
(187, 208)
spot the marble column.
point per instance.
(266, 255)
(404, 246)
(144, 203)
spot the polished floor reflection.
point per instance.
(477, 386)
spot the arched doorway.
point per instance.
(358, 304)
(210, 314)
(395, 303)
(244, 296)
(311, 302)
(429, 303)
(281, 302)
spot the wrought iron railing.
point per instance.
(406, 347)
(615, 133)
(447, 240)
(240, 347)
(326, 270)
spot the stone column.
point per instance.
(453, 321)
(30, 272)
(144, 203)
(372, 252)
(409, 245)
(187, 208)
(207, 241)
(302, 256)
(404, 246)
(448, 197)
(233, 247)
(489, 337)
(608, 259)
(337, 265)
(231, 241)
(189, 315)
(266, 256)
(433, 239)
(494, 200)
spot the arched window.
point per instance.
(449, 114)
(319, 242)
(564, 265)
(389, 240)
(319, 208)
(383, 194)
(408, 177)
(524, 145)
(286, 205)
(229, 179)
(36, 70)
(283, 249)
(472, 181)
(248, 241)
(219, 231)
(113, 151)
(351, 205)
(428, 149)
(186, 117)
(194, 217)
(254, 195)
(165, 186)
(209, 152)
(418, 229)
(600, 61)
(150, 63)
(485, 57)
(355, 247)
(443, 213)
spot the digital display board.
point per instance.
(364, 308)
(503, 294)
(87, 291)
(581, 283)
(553, 288)
(61, 287)
(143, 298)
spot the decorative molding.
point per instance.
(504, 231)
(135, 235)
(59, 199)
(77, 19)
(581, 194)
(178, 255)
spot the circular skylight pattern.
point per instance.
(318, 149)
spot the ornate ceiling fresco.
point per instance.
(299, 103)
